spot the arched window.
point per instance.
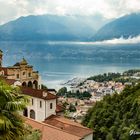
(24, 84)
(24, 73)
(32, 114)
(35, 84)
(30, 84)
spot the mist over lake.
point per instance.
(59, 62)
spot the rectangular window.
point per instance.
(17, 76)
(23, 73)
(32, 101)
(40, 104)
(51, 105)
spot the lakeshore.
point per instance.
(57, 65)
(83, 94)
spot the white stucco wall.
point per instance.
(48, 110)
(41, 112)
(89, 137)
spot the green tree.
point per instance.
(109, 136)
(62, 91)
(72, 108)
(116, 115)
(43, 86)
(31, 134)
(11, 102)
(87, 95)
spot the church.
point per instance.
(21, 72)
(42, 102)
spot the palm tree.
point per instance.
(32, 134)
(11, 103)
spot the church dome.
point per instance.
(23, 62)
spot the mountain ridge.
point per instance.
(47, 27)
(125, 26)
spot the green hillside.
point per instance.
(115, 116)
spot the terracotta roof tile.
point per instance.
(68, 125)
(50, 132)
(51, 89)
(38, 93)
(59, 108)
(8, 81)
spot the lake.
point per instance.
(58, 62)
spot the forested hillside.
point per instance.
(115, 116)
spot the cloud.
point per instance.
(11, 9)
(130, 40)
(114, 41)
(7, 12)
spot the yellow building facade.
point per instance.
(22, 72)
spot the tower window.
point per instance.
(29, 74)
(23, 73)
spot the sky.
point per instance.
(12, 9)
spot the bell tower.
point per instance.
(1, 54)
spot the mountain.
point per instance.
(49, 27)
(125, 26)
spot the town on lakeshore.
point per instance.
(58, 115)
(69, 69)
